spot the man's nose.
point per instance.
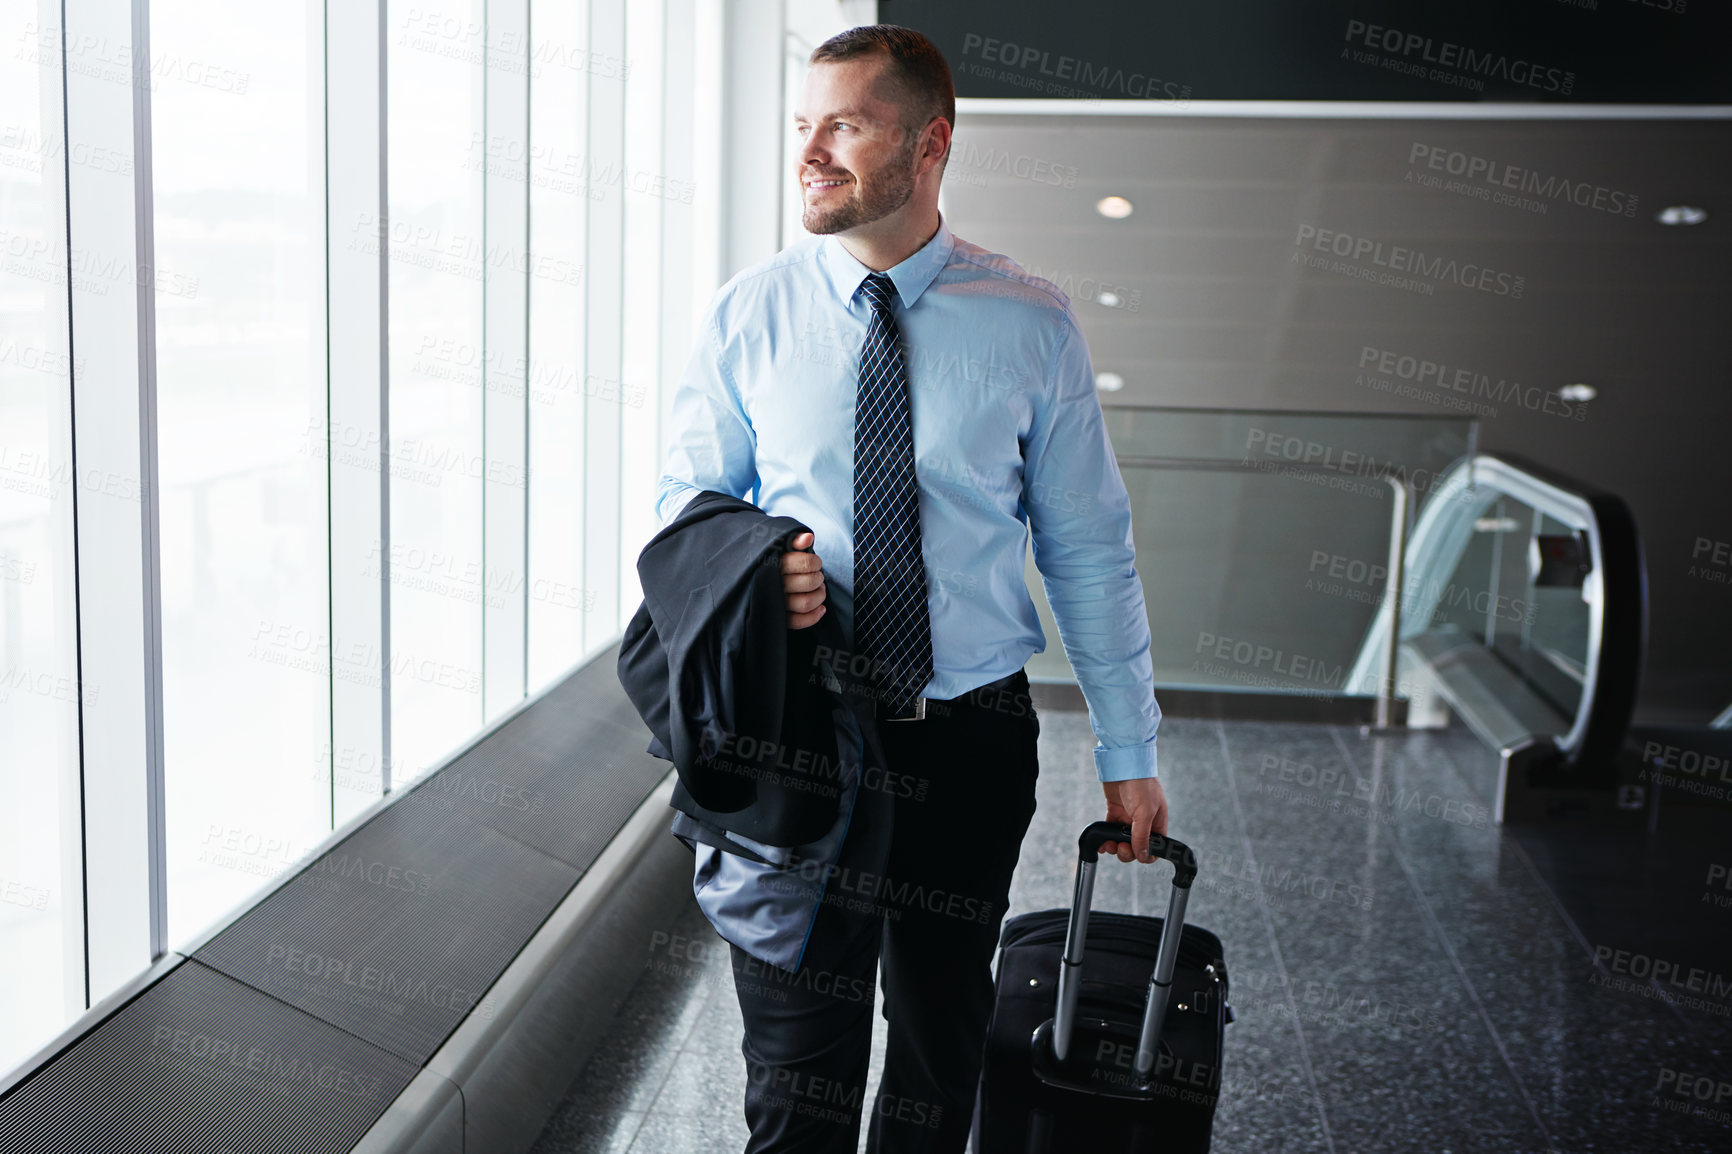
(813, 150)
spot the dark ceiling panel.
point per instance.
(1585, 51)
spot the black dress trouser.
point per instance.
(963, 781)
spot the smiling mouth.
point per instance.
(820, 185)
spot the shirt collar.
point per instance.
(911, 277)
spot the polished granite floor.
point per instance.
(1402, 978)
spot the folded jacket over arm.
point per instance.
(768, 734)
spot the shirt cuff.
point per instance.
(1128, 763)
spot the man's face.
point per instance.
(856, 160)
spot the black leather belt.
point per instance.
(981, 697)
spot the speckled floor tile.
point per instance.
(722, 1131)
(1452, 1008)
(572, 1132)
(619, 1084)
(1586, 1058)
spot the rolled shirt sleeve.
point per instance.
(710, 442)
(1080, 516)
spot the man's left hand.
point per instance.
(1142, 803)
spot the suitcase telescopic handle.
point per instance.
(1076, 935)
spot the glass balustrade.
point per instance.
(1263, 539)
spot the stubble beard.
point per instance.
(870, 200)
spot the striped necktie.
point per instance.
(892, 625)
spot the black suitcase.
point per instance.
(1071, 1060)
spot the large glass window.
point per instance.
(41, 937)
(536, 266)
(439, 257)
(646, 189)
(238, 146)
(560, 171)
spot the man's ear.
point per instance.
(935, 141)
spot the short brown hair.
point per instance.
(916, 65)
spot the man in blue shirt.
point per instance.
(923, 405)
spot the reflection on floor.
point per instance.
(1403, 980)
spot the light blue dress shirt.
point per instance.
(1008, 439)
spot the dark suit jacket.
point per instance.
(732, 696)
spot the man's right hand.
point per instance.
(803, 582)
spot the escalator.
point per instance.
(1525, 615)
(1524, 611)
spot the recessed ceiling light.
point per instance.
(1682, 214)
(1580, 393)
(1109, 382)
(1108, 298)
(1113, 207)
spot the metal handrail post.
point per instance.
(1392, 595)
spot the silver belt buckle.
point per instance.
(919, 712)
